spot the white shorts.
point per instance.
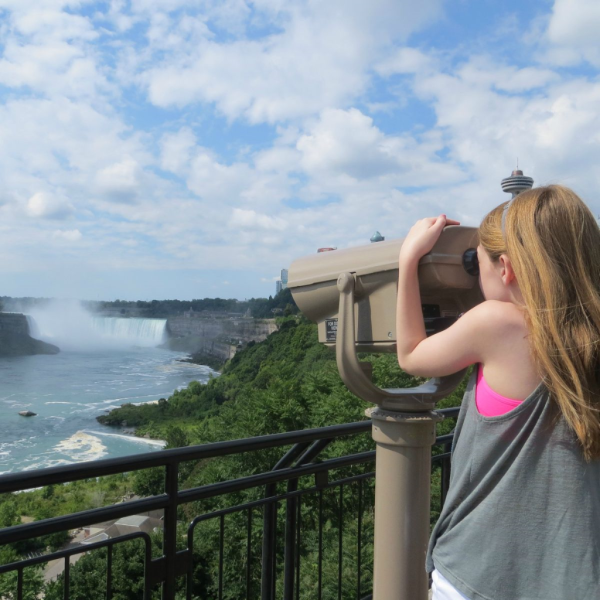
(442, 589)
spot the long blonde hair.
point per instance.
(553, 242)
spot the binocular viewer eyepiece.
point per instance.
(471, 262)
(351, 294)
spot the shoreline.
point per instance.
(204, 360)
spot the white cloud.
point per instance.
(215, 181)
(176, 150)
(120, 181)
(553, 132)
(320, 58)
(405, 60)
(44, 205)
(572, 32)
(344, 152)
(69, 235)
(52, 22)
(346, 142)
(250, 219)
(47, 145)
(50, 50)
(482, 72)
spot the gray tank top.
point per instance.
(522, 516)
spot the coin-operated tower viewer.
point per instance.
(351, 295)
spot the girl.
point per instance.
(522, 516)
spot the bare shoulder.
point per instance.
(502, 330)
(504, 347)
(494, 314)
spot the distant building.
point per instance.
(282, 282)
(326, 249)
(123, 526)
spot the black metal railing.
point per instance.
(290, 517)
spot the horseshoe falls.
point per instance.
(70, 326)
(133, 331)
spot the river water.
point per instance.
(70, 389)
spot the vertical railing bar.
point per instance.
(148, 563)
(190, 572)
(274, 546)
(340, 515)
(320, 595)
(221, 541)
(109, 573)
(20, 584)
(359, 536)
(170, 529)
(290, 543)
(66, 576)
(298, 521)
(266, 576)
(249, 555)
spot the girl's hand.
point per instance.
(423, 236)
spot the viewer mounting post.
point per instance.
(404, 431)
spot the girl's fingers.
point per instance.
(434, 220)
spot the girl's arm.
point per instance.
(453, 349)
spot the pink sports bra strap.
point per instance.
(489, 403)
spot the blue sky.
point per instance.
(185, 149)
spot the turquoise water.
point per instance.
(69, 390)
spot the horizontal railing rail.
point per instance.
(283, 537)
(12, 482)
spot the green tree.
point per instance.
(8, 514)
(33, 579)
(87, 578)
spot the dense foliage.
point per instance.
(287, 382)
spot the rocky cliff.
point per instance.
(216, 337)
(15, 339)
(243, 329)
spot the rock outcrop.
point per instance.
(216, 337)
(243, 329)
(15, 339)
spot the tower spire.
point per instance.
(517, 182)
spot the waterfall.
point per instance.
(133, 331)
(34, 331)
(71, 327)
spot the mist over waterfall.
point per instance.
(70, 326)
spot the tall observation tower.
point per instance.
(516, 183)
